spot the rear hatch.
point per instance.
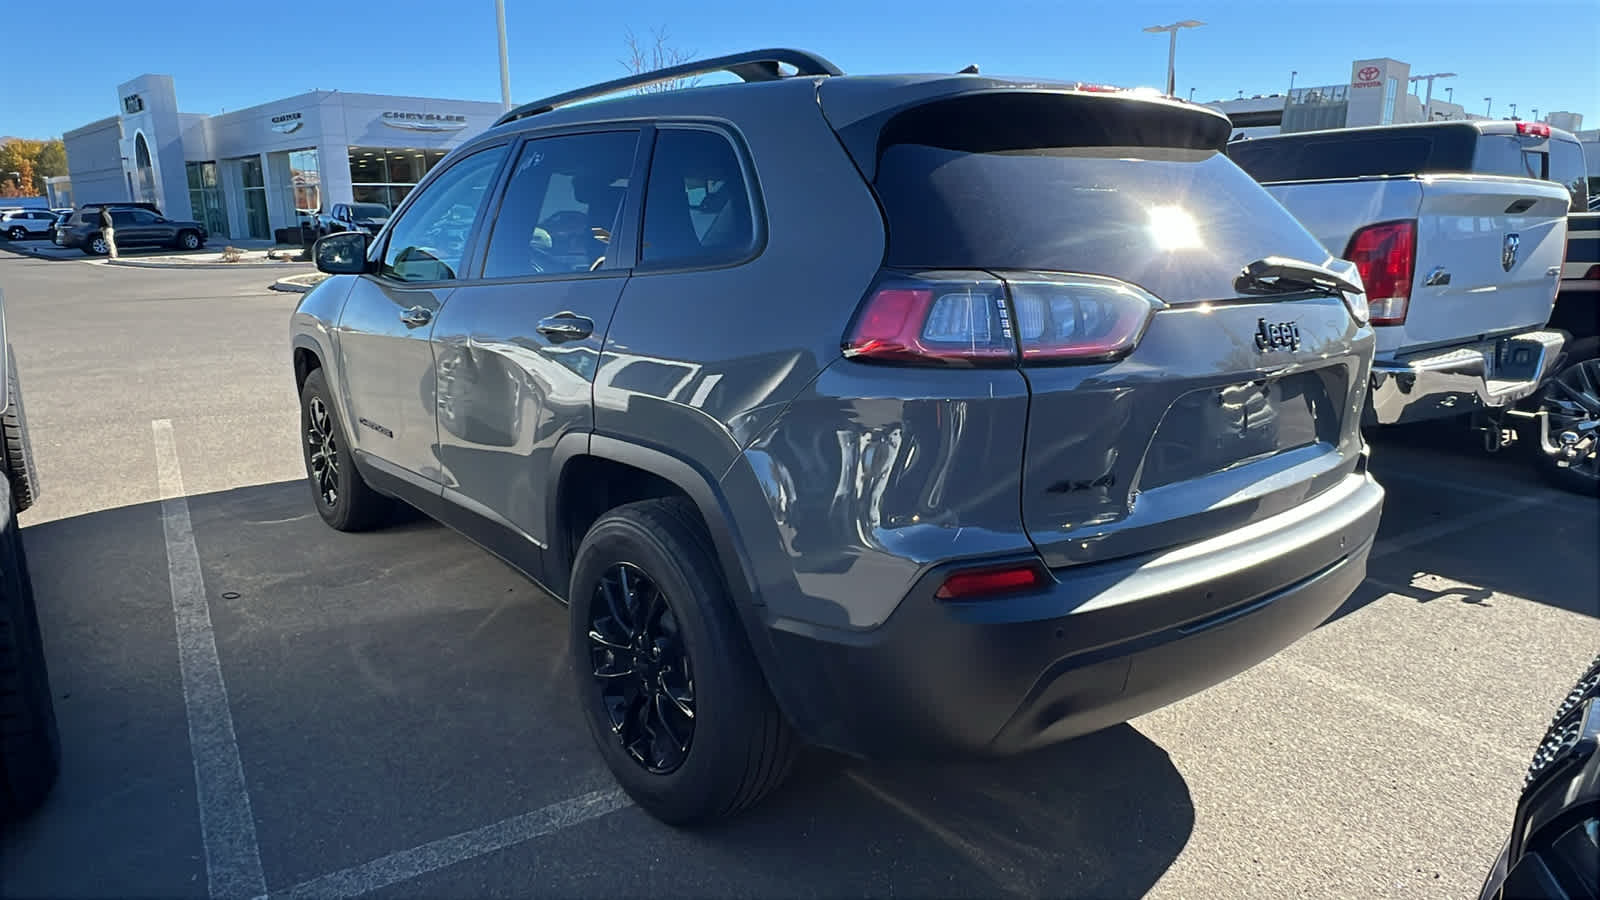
(1166, 406)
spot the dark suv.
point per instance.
(135, 227)
(903, 415)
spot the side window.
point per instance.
(697, 208)
(562, 205)
(121, 217)
(1567, 169)
(427, 243)
(143, 217)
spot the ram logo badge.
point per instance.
(1277, 336)
(1508, 250)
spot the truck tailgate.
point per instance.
(1499, 240)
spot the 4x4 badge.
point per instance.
(1277, 336)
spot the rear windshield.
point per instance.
(1180, 223)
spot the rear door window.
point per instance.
(1180, 223)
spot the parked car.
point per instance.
(30, 749)
(1553, 852)
(135, 227)
(368, 217)
(89, 213)
(19, 225)
(1054, 437)
(1459, 233)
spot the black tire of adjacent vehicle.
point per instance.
(742, 747)
(357, 506)
(89, 245)
(30, 747)
(1565, 477)
(189, 240)
(18, 449)
(18, 233)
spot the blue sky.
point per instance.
(232, 55)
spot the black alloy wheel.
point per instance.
(323, 452)
(642, 673)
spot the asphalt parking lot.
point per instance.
(393, 714)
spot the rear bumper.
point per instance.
(1105, 643)
(1440, 383)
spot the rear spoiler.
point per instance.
(989, 115)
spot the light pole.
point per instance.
(1488, 105)
(1172, 49)
(1536, 113)
(1292, 74)
(1450, 95)
(1427, 104)
(505, 64)
(1191, 95)
(1513, 110)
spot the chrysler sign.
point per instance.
(425, 121)
(286, 123)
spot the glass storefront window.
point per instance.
(305, 179)
(205, 197)
(387, 174)
(253, 179)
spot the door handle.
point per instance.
(566, 327)
(416, 316)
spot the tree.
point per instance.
(33, 162)
(656, 53)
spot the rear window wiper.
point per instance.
(1282, 275)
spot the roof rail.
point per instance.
(753, 65)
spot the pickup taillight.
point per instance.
(1386, 255)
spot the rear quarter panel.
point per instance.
(699, 361)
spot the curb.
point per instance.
(137, 264)
(284, 284)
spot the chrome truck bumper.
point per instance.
(1487, 375)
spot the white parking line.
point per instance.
(227, 825)
(435, 855)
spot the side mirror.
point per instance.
(344, 253)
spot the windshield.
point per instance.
(1179, 223)
(369, 210)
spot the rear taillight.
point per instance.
(991, 581)
(969, 319)
(1386, 256)
(1593, 274)
(1533, 129)
(1079, 317)
(939, 321)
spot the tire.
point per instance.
(343, 498)
(97, 246)
(188, 240)
(18, 233)
(738, 746)
(30, 746)
(1572, 398)
(17, 447)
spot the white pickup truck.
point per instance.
(1458, 230)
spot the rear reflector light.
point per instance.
(1386, 255)
(949, 318)
(1079, 317)
(1533, 129)
(975, 584)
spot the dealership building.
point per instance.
(252, 173)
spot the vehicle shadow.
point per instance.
(392, 688)
(1101, 816)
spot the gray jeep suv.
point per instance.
(902, 415)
